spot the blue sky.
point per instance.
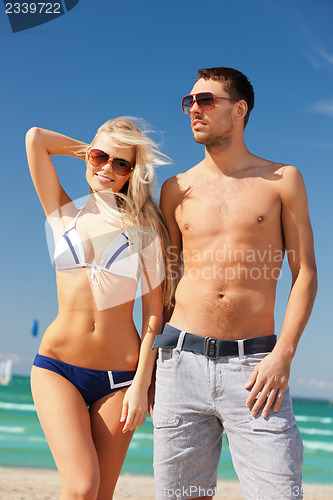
(105, 59)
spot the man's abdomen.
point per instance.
(238, 308)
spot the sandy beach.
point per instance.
(41, 484)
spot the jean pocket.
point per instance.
(250, 361)
(162, 419)
(167, 356)
(284, 417)
(279, 421)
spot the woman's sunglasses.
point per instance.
(205, 100)
(98, 158)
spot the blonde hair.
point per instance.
(138, 210)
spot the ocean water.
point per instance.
(22, 442)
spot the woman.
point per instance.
(91, 376)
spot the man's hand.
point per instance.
(269, 381)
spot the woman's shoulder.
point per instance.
(62, 217)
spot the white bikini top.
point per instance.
(116, 259)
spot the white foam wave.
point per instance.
(319, 432)
(321, 420)
(37, 439)
(318, 445)
(16, 406)
(142, 435)
(134, 445)
(13, 430)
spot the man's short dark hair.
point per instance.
(236, 84)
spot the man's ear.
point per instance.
(241, 108)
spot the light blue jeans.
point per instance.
(196, 400)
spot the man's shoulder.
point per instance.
(181, 179)
(170, 183)
(286, 179)
(292, 185)
(174, 189)
(281, 168)
(274, 170)
(170, 192)
(288, 174)
(290, 171)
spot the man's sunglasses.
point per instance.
(98, 158)
(205, 101)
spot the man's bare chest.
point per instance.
(243, 208)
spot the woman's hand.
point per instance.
(134, 409)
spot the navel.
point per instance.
(93, 327)
(220, 295)
(260, 219)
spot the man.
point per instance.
(231, 219)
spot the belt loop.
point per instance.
(241, 349)
(180, 341)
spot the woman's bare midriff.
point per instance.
(84, 336)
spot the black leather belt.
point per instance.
(210, 346)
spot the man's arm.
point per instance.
(271, 375)
(169, 200)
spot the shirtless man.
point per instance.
(231, 220)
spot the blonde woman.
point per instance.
(91, 376)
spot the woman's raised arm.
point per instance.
(40, 145)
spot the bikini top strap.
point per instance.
(73, 223)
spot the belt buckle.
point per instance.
(210, 347)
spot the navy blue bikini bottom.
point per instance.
(92, 384)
